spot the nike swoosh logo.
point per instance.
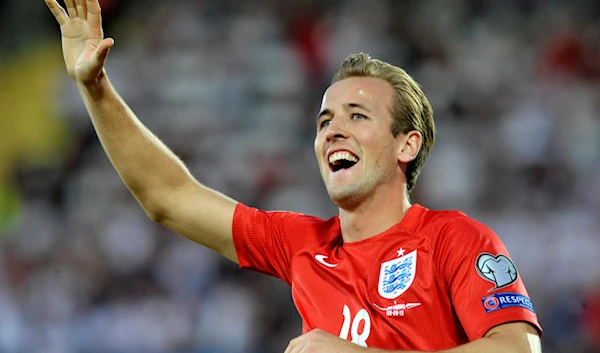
(321, 259)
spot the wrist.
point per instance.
(93, 87)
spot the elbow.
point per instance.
(155, 216)
(150, 203)
(158, 200)
(154, 210)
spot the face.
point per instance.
(355, 148)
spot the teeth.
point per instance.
(342, 155)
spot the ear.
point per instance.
(410, 145)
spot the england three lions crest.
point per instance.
(396, 275)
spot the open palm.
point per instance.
(84, 46)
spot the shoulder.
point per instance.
(314, 229)
(458, 241)
(455, 226)
(292, 224)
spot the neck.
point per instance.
(373, 216)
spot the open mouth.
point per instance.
(342, 160)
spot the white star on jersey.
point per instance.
(400, 252)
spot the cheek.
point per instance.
(318, 146)
(373, 141)
(382, 147)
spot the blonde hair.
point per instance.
(410, 108)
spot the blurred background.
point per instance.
(233, 87)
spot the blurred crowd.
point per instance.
(233, 87)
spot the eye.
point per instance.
(324, 123)
(357, 116)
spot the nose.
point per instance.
(336, 129)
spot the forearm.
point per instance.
(492, 344)
(146, 165)
(498, 344)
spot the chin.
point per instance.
(346, 197)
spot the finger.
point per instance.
(71, 9)
(102, 51)
(289, 347)
(59, 13)
(94, 13)
(297, 347)
(292, 346)
(81, 9)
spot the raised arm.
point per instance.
(157, 178)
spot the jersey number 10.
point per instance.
(357, 338)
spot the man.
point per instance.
(385, 274)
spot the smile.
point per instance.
(342, 160)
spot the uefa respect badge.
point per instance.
(506, 300)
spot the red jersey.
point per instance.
(436, 280)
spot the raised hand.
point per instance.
(84, 46)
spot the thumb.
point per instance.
(102, 51)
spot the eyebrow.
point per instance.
(347, 106)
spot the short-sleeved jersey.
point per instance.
(436, 280)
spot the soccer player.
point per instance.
(384, 274)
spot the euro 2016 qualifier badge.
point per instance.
(396, 276)
(496, 269)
